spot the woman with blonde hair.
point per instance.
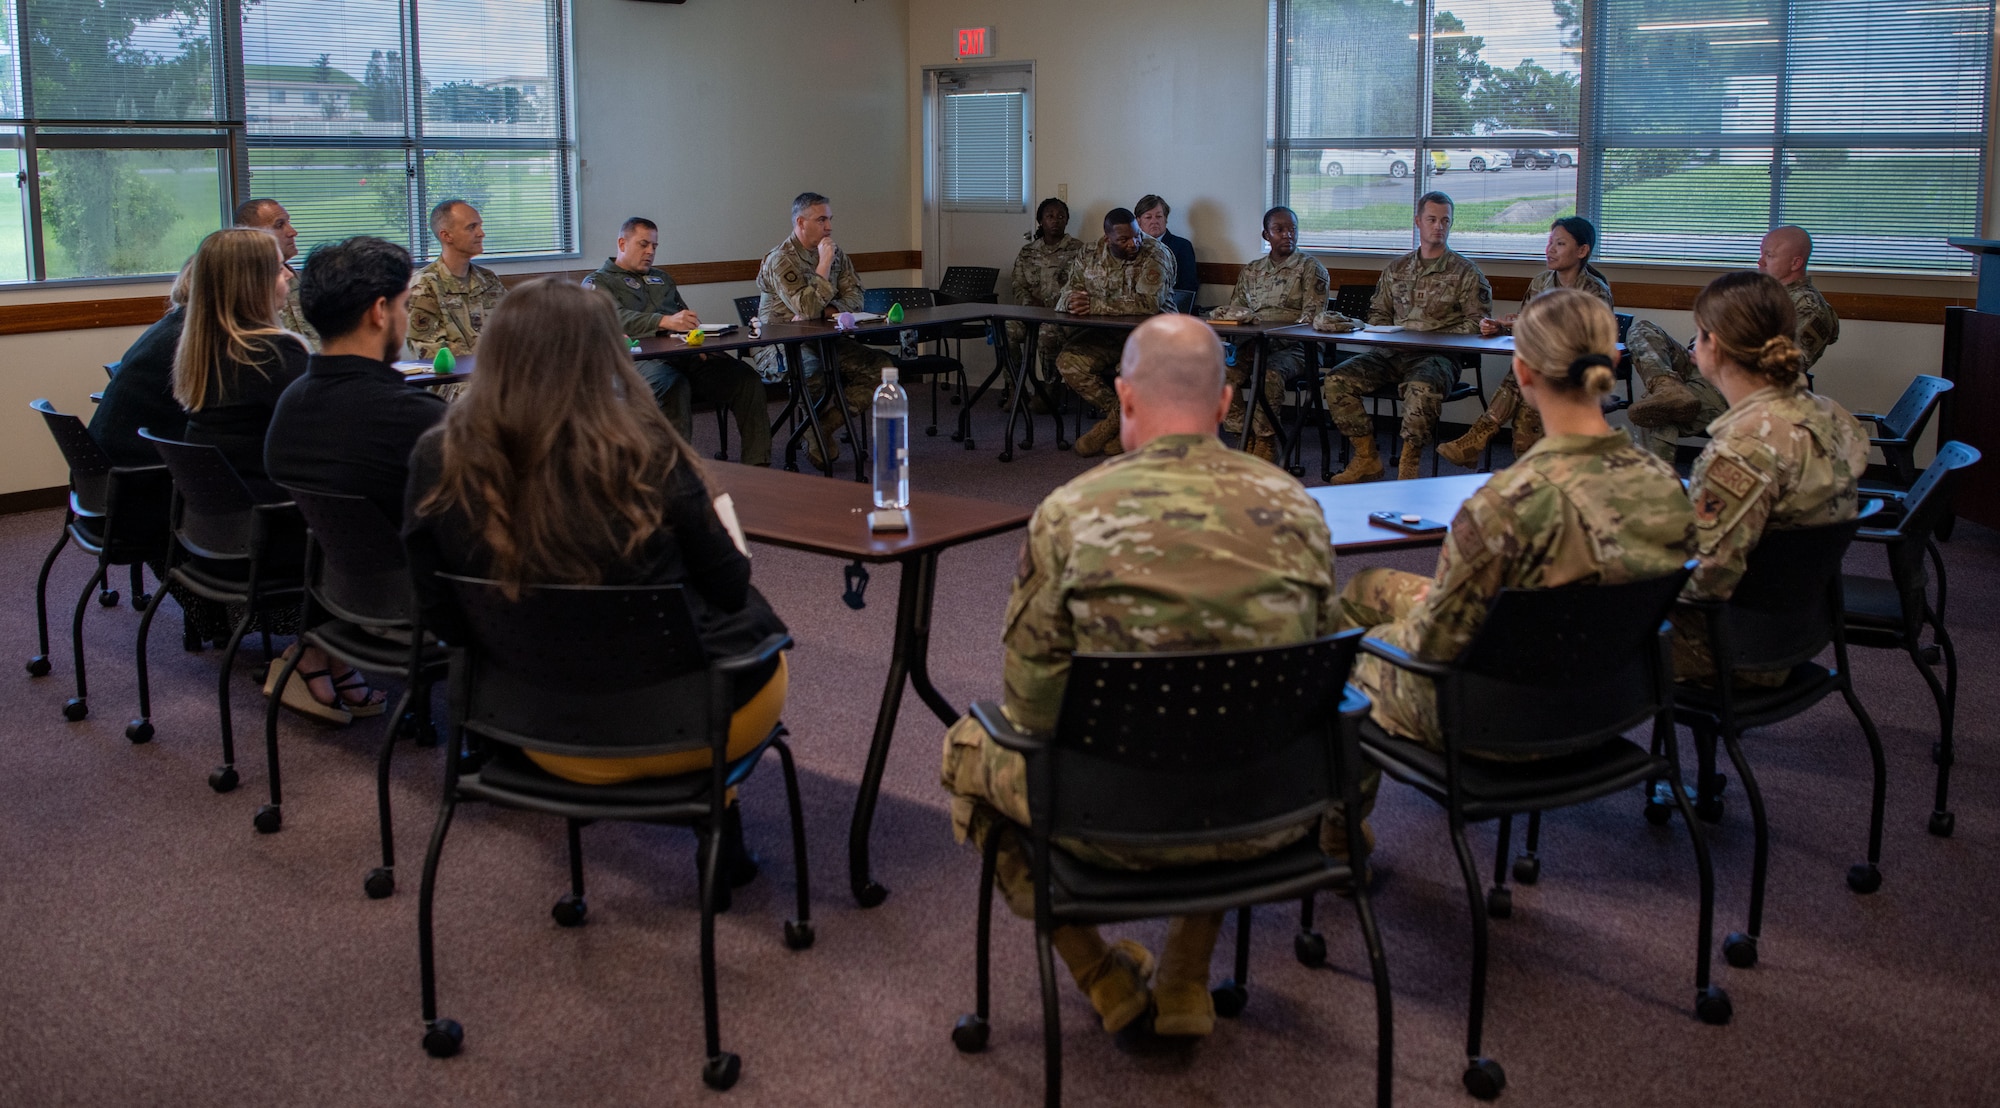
(1781, 457)
(234, 359)
(1582, 507)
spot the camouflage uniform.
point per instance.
(1183, 544)
(1506, 403)
(1087, 357)
(1785, 457)
(642, 300)
(1292, 291)
(792, 288)
(1576, 509)
(1654, 354)
(1039, 273)
(1447, 294)
(293, 318)
(447, 311)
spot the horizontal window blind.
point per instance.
(983, 151)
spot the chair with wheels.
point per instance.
(1623, 371)
(930, 367)
(606, 671)
(1901, 429)
(968, 284)
(1165, 749)
(359, 610)
(231, 550)
(746, 308)
(1891, 613)
(1533, 717)
(116, 513)
(1786, 609)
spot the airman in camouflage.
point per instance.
(267, 214)
(451, 298)
(1678, 401)
(1182, 544)
(1507, 404)
(1432, 288)
(293, 318)
(805, 278)
(1127, 272)
(1039, 272)
(1576, 509)
(1284, 286)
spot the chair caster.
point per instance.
(798, 934)
(142, 602)
(1709, 808)
(222, 779)
(570, 911)
(721, 1071)
(970, 444)
(969, 1034)
(1499, 903)
(871, 895)
(139, 731)
(1740, 950)
(1941, 824)
(443, 1038)
(1658, 814)
(931, 431)
(1864, 878)
(380, 884)
(108, 598)
(75, 708)
(1484, 1078)
(1309, 947)
(1230, 999)
(1527, 869)
(1713, 1007)
(38, 666)
(1930, 655)
(268, 819)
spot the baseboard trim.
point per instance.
(33, 500)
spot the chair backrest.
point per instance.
(879, 300)
(1924, 509)
(969, 281)
(577, 669)
(215, 520)
(1786, 607)
(1913, 409)
(125, 506)
(1353, 300)
(89, 465)
(356, 567)
(746, 308)
(1167, 748)
(1183, 300)
(1624, 324)
(1553, 671)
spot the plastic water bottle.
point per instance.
(892, 443)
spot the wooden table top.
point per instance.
(1434, 498)
(808, 512)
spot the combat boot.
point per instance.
(831, 419)
(1365, 465)
(1181, 995)
(1114, 977)
(1099, 439)
(1668, 403)
(1265, 447)
(1410, 465)
(1464, 450)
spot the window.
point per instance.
(137, 125)
(1684, 128)
(983, 157)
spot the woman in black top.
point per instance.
(141, 392)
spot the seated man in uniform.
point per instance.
(1127, 272)
(1284, 286)
(807, 277)
(648, 303)
(1678, 400)
(1431, 288)
(266, 214)
(1182, 544)
(452, 297)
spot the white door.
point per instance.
(978, 166)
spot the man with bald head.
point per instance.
(1178, 544)
(266, 214)
(1678, 400)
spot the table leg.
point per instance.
(1255, 400)
(909, 658)
(837, 393)
(795, 365)
(1048, 401)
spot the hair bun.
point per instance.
(1780, 358)
(1582, 365)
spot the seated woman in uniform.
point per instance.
(547, 472)
(1781, 457)
(1572, 239)
(1583, 507)
(1040, 270)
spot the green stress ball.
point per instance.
(895, 313)
(444, 362)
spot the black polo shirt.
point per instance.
(348, 426)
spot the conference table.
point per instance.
(1346, 508)
(799, 512)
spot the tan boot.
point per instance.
(1668, 402)
(1365, 465)
(1410, 466)
(1115, 446)
(1115, 977)
(1098, 439)
(1464, 450)
(831, 420)
(1182, 996)
(1265, 447)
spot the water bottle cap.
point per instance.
(891, 375)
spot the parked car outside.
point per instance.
(1537, 156)
(1393, 163)
(1483, 159)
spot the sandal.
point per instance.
(299, 698)
(373, 701)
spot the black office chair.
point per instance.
(1891, 612)
(932, 367)
(1901, 429)
(1174, 750)
(359, 609)
(1183, 300)
(1623, 371)
(1786, 609)
(746, 308)
(1533, 716)
(229, 549)
(597, 671)
(117, 514)
(968, 284)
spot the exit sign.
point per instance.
(975, 42)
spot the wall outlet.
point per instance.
(1062, 192)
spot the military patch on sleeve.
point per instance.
(1709, 507)
(1731, 476)
(1466, 535)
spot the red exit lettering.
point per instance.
(972, 42)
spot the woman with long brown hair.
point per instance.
(234, 359)
(557, 468)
